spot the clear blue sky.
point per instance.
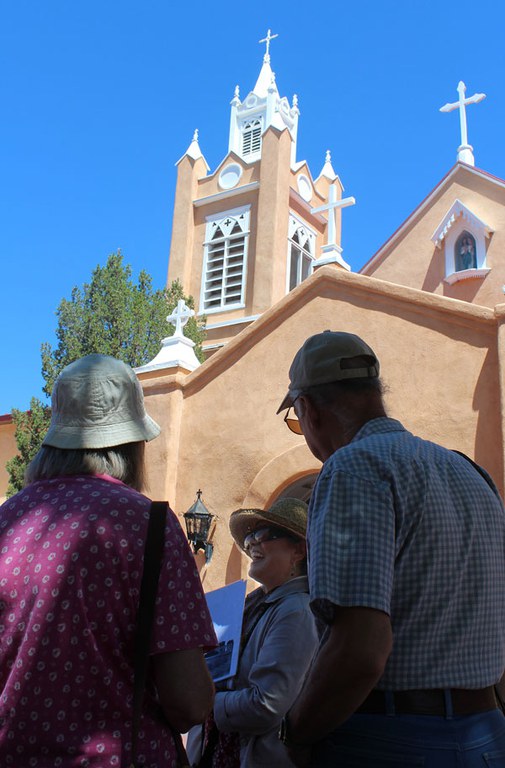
(100, 99)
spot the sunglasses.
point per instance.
(260, 535)
(292, 422)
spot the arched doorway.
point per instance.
(300, 488)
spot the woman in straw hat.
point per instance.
(278, 640)
(72, 545)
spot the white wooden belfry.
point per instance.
(262, 108)
(465, 150)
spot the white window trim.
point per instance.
(294, 224)
(232, 213)
(466, 274)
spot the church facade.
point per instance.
(256, 242)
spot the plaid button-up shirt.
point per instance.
(407, 527)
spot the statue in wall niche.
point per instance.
(465, 252)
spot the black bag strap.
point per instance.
(152, 563)
(153, 554)
(482, 472)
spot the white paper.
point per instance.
(226, 607)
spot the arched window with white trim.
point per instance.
(225, 258)
(301, 252)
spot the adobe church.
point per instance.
(256, 242)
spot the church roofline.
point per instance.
(416, 213)
(405, 298)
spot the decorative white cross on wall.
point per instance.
(180, 317)
(331, 206)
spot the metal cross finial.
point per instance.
(267, 41)
(180, 317)
(464, 150)
(199, 493)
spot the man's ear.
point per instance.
(309, 410)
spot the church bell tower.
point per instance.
(250, 231)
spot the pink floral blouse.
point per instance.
(71, 558)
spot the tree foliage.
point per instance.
(115, 316)
(31, 426)
(111, 315)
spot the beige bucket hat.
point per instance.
(97, 402)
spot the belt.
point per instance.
(438, 701)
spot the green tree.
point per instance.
(31, 426)
(115, 316)
(112, 315)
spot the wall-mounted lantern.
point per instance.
(199, 524)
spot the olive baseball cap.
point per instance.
(328, 357)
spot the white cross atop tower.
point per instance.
(267, 40)
(465, 150)
(332, 251)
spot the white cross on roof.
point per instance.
(267, 41)
(465, 153)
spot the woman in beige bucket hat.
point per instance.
(72, 545)
(278, 640)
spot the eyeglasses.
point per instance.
(260, 535)
(292, 422)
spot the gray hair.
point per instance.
(123, 462)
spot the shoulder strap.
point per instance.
(152, 563)
(482, 472)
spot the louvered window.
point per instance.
(301, 249)
(225, 261)
(251, 137)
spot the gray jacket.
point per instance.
(270, 676)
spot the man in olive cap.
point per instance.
(406, 569)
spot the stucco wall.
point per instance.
(438, 359)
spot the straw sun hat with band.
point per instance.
(288, 514)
